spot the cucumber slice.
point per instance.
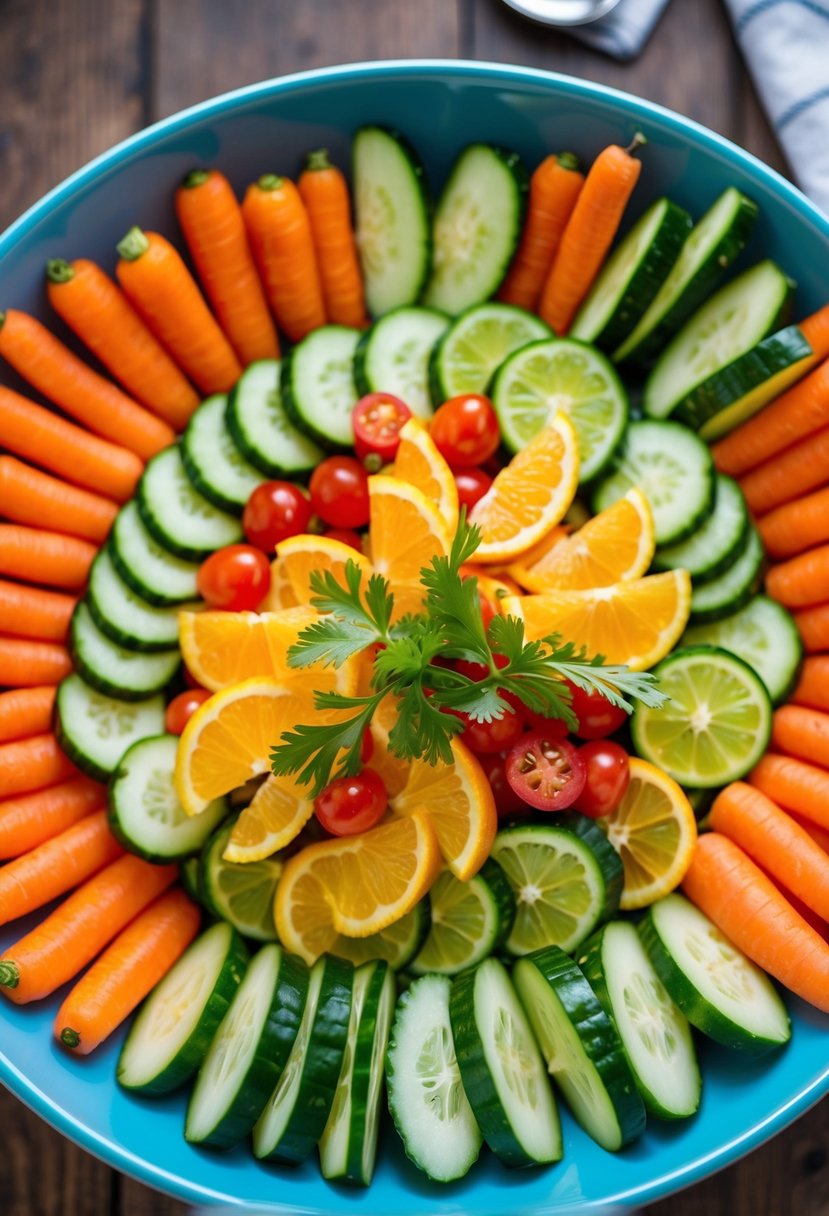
(391, 218)
(632, 275)
(241, 893)
(348, 1146)
(125, 617)
(477, 226)
(149, 569)
(181, 519)
(144, 811)
(565, 877)
(713, 361)
(475, 346)
(95, 730)
(719, 990)
(716, 723)
(188, 872)
(728, 592)
(470, 920)
(581, 1047)
(709, 250)
(712, 549)
(426, 1095)
(654, 1032)
(675, 472)
(764, 635)
(175, 1026)
(393, 356)
(261, 429)
(213, 462)
(318, 388)
(297, 1111)
(397, 944)
(249, 1051)
(533, 384)
(501, 1067)
(113, 669)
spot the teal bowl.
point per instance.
(267, 127)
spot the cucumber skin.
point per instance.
(156, 598)
(498, 883)
(707, 616)
(724, 562)
(220, 501)
(174, 547)
(361, 380)
(79, 758)
(361, 1078)
(291, 409)
(128, 641)
(100, 683)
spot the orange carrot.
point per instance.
(813, 626)
(554, 189)
(80, 392)
(781, 479)
(813, 687)
(25, 712)
(33, 764)
(589, 234)
(126, 972)
(803, 910)
(796, 526)
(154, 276)
(280, 236)
(803, 733)
(818, 834)
(746, 906)
(56, 866)
(28, 496)
(80, 927)
(30, 612)
(27, 663)
(774, 841)
(105, 321)
(324, 192)
(45, 557)
(802, 580)
(31, 820)
(211, 220)
(815, 330)
(794, 785)
(39, 435)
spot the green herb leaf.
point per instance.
(322, 751)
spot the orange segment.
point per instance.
(635, 623)
(519, 566)
(299, 556)
(407, 531)
(420, 463)
(277, 813)
(280, 593)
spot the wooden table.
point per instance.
(79, 75)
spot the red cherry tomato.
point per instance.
(366, 747)
(507, 802)
(339, 492)
(545, 771)
(551, 726)
(597, 717)
(181, 709)
(486, 738)
(608, 774)
(378, 419)
(350, 805)
(465, 430)
(189, 679)
(275, 511)
(235, 578)
(472, 485)
(346, 536)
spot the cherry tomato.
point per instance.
(352, 804)
(275, 511)
(465, 430)
(189, 679)
(608, 774)
(597, 717)
(551, 726)
(339, 492)
(507, 802)
(486, 738)
(346, 536)
(472, 485)
(545, 771)
(235, 578)
(366, 747)
(378, 419)
(181, 709)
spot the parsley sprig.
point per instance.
(449, 626)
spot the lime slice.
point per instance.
(716, 723)
(241, 894)
(397, 944)
(534, 383)
(478, 342)
(470, 920)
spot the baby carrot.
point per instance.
(211, 220)
(796, 526)
(803, 733)
(31, 820)
(75, 388)
(554, 189)
(813, 686)
(324, 192)
(80, 927)
(782, 478)
(39, 435)
(29, 496)
(33, 764)
(154, 276)
(589, 234)
(772, 838)
(280, 236)
(108, 325)
(813, 627)
(45, 557)
(56, 866)
(801, 581)
(126, 972)
(27, 663)
(818, 834)
(815, 330)
(746, 906)
(30, 612)
(794, 785)
(25, 712)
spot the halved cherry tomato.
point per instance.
(608, 774)
(346, 536)
(339, 492)
(181, 709)
(275, 511)
(487, 738)
(597, 717)
(507, 802)
(378, 419)
(235, 578)
(352, 804)
(547, 772)
(465, 430)
(472, 485)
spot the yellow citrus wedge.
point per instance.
(530, 495)
(280, 593)
(519, 566)
(420, 463)
(277, 813)
(356, 885)
(407, 531)
(654, 832)
(635, 623)
(458, 799)
(297, 558)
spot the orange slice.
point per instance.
(635, 623)
(280, 593)
(298, 557)
(530, 495)
(407, 531)
(420, 463)
(276, 815)
(519, 566)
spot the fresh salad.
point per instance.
(394, 714)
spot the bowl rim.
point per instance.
(11, 1076)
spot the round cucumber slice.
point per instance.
(393, 356)
(475, 346)
(470, 920)
(152, 572)
(711, 550)
(725, 594)
(242, 894)
(118, 671)
(177, 515)
(762, 634)
(259, 425)
(716, 723)
(125, 617)
(213, 462)
(318, 389)
(95, 730)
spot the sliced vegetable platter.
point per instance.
(779, 1086)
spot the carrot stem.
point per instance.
(133, 246)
